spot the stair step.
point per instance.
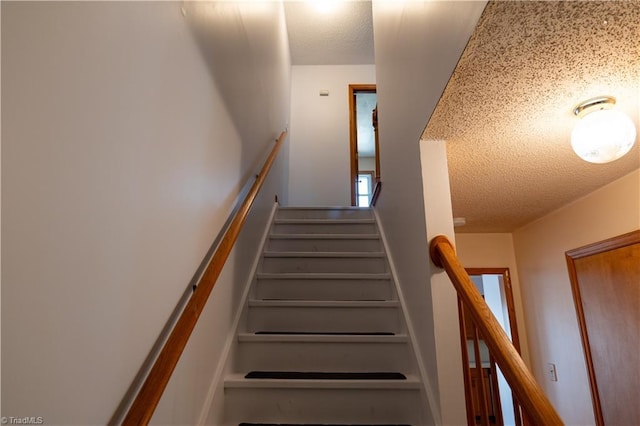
(323, 286)
(323, 401)
(324, 303)
(324, 352)
(324, 316)
(325, 255)
(329, 276)
(324, 226)
(323, 337)
(324, 276)
(325, 242)
(344, 237)
(325, 375)
(238, 381)
(327, 262)
(324, 213)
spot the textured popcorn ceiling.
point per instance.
(341, 36)
(506, 113)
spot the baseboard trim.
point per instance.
(426, 384)
(217, 380)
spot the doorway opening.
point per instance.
(488, 396)
(364, 145)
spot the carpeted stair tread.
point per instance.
(327, 333)
(321, 375)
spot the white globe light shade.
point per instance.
(603, 136)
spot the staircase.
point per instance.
(323, 337)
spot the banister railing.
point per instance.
(376, 192)
(527, 391)
(146, 401)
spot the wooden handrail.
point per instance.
(527, 390)
(376, 192)
(147, 399)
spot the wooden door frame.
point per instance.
(508, 290)
(571, 256)
(353, 136)
(515, 337)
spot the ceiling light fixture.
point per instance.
(325, 6)
(603, 134)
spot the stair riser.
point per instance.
(302, 356)
(324, 228)
(362, 320)
(319, 268)
(322, 405)
(292, 213)
(372, 265)
(324, 245)
(323, 289)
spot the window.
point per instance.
(364, 188)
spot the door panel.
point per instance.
(605, 280)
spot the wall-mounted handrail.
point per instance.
(147, 399)
(376, 192)
(528, 392)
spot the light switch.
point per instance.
(324, 93)
(551, 369)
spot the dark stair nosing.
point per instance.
(327, 333)
(321, 375)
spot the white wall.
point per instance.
(367, 164)
(552, 326)
(445, 363)
(320, 173)
(417, 45)
(121, 159)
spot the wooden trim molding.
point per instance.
(511, 313)
(376, 135)
(466, 371)
(613, 243)
(353, 134)
(145, 403)
(571, 256)
(508, 289)
(528, 392)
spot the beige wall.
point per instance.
(121, 158)
(495, 251)
(549, 310)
